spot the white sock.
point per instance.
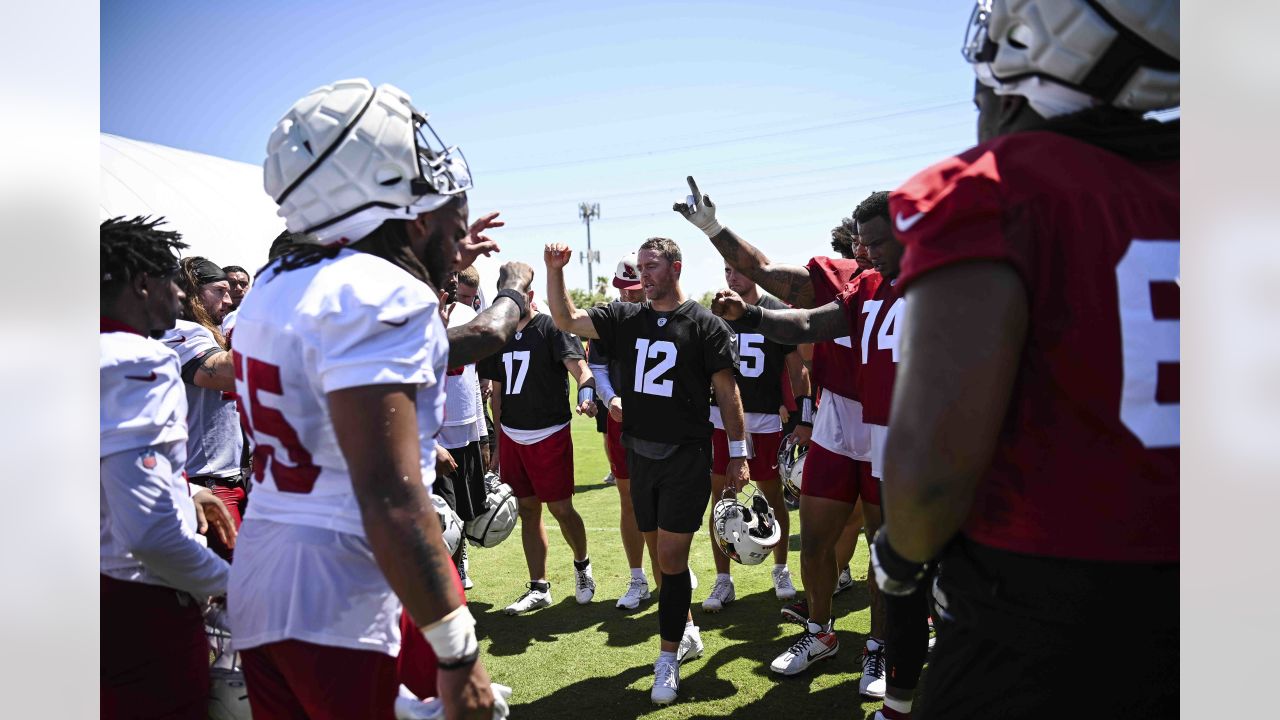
(723, 576)
(668, 656)
(902, 706)
(638, 574)
(874, 644)
(689, 623)
(779, 566)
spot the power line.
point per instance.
(729, 141)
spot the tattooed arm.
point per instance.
(491, 329)
(789, 327)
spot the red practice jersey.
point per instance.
(1087, 461)
(835, 363)
(874, 307)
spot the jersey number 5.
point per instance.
(301, 475)
(1149, 341)
(649, 382)
(750, 354)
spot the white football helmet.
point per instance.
(745, 533)
(494, 525)
(449, 522)
(791, 465)
(348, 156)
(228, 695)
(1067, 55)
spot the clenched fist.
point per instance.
(516, 276)
(728, 305)
(556, 255)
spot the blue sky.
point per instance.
(788, 114)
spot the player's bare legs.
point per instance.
(872, 520)
(632, 540)
(533, 535)
(848, 541)
(823, 521)
(575, 533)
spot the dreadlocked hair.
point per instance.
(194, 308)
(842, 237)
(390, 241)
(135, 247)
(875, 206)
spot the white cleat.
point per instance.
(782, 586)
(586, 585)
(693, 580)
(464, 570)
(722, 594)
(532, 599)
(666, 681)
(844, 582)
(872, 683)
(808, 649)
(637, 590)
(691, 646)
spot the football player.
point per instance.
(215, 443)
(155, 573)
(626, 278)
(341, 359)
(761, 365)
(670, 349)
(837, 472)
(870, 308)
(1040, 368)
(238, 282)
(531, 410)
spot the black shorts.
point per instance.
(464, 490)
(671, 492)
(1023, 635)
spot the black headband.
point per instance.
(205, 271)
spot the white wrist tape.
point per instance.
(453, 635)
(737, 449)
(586, 394)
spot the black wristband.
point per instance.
(518, 298)
(465, 661)
(752, 317)
(894, 565)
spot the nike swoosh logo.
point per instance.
(179, 339)
(144, 378)
(397, 324)
(905, 224)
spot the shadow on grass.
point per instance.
(511, 635)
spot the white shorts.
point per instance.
(297, 582)
(878, 435)
(839, 427)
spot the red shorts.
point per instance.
(154, 660)
(294, 679)
(836, 477)
(617, 453)
(544, 469)
(235, 499)
(764, 466)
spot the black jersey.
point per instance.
(761, 363)
(535, 382)
(665, 362)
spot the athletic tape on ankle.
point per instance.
(453, 635)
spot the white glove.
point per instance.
(409, 707)
(699, 210)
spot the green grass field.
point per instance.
(596, 660)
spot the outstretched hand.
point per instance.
(699, 210)
(476, 243)
(556, 255)
(728, 305)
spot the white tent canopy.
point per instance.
(218, 205)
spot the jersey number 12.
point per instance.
(650, 382)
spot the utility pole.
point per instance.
(587, 211)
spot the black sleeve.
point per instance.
(490, 368)
(564, 345)
(719, 351)
(596, 353)
(605, 320)
(193, 365)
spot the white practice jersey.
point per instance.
(146, 517)
(214, 441)
(838, 427)
(462, 417)
(344, 322)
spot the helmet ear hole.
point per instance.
(388, 175)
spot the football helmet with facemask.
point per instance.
(450, 523)
(1068, 55)
(348, 156)
(746, 532)
(492, 526)
(791, 465)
